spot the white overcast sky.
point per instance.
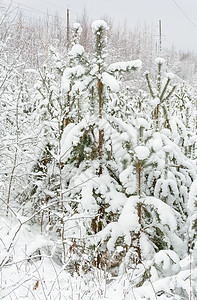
(179, 24)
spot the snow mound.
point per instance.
(141, 122)
(142, 152)
(160, 60)
(110, 81)
(99, 24)
(193, 197)
(77, 26)
(170, 75)
(76, 50)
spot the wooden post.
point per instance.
(68, 28)
(47, 41)
(160, 35)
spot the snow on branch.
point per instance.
(125, 66)
(67, 75)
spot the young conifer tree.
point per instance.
(163, 177)
(76, 67)
(142, 229)
(177, 172)
(92, 149)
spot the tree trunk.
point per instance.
(100, 117)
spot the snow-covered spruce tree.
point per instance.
(146, 227)
(50, 113)
(92, 152)
(75, 67)
(176, 172)
(163, 177)
(171, 180)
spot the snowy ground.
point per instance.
(25, 277)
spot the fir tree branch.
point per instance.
(171, 92)
(164, 89)
(149, 85)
